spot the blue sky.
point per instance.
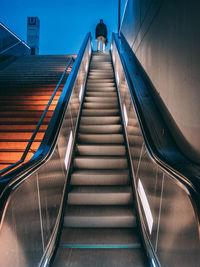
(63, 23)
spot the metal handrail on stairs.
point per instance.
(9, 168)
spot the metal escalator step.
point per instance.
(99, 216)
(100, 162)
(103, 177)
(100, 120)
(97, 129)
(120, 257)
(100, 112)
(100, 88)
(108, 150)
(100, 105)
(98, 99)
(100, 195)
(101, 94)
(101, 138)
(91, 236)
(100, 82)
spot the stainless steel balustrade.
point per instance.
(168, 219)
(31, 201)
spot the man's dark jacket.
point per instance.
(101, 30)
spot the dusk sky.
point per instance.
(63, 23)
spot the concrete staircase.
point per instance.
(99, 224)
(26, 86)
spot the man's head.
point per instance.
(101, 21)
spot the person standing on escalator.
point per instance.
(101, 35)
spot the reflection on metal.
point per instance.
(113, 58)
(153, 263)
(69, 146)
(40, 211)
(145, 205)
(86, 67)
(80, 93)
(125, 116)
(117, 78)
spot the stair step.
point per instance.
(108, 150)
(91, 236)
(101, 138)
(97, 162)
(100, 195)
(21, 128)
(103, 177)
(24, 136)
(19, 102)
(23, 107)
(13, 156)
(20, 120)
(99, 216)
(105, 120)
(25, 114)
(102, 112)
(15, 146)
(28, 97)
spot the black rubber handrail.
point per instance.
(9, 168)
(173, 161)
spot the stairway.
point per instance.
(99, 224)
(26, 87)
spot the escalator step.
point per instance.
(100, 195)
(100, 236)
(99, 257)
(100, 162)
(101, 138)
(99, 216)
(104, 177)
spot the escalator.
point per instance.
(107, 185)
(100, 226)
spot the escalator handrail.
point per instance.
(191, 186)
(9, 168)
(14, 177)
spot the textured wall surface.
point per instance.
(165, 36)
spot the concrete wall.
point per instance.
(165, 36)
